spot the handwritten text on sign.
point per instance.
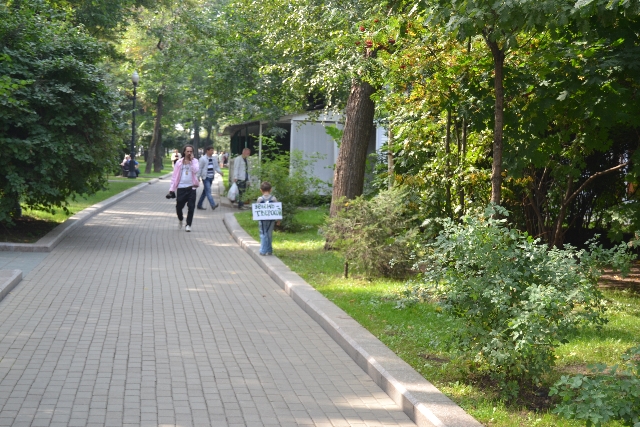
(266, 211)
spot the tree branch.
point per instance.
(591, 178)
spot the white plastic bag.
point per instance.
(233, 192)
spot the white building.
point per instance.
(305, 132)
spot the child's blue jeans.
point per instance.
(266, 236)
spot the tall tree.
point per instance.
(572, 138)
(308, 47)
(499, 24)
(59, 130)
(348, 178)
(159, 47)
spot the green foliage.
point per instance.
(623, 220)
(58, 127)
(102, 17)
(566, 65)
(520, 299)
(335, 133)
(375, 234)
(607, 394)
(290, 177)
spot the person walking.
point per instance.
(209, 166)
(266, 226)
(175, 157)
(184, 179)
(241, 175)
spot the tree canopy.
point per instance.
(59, 122)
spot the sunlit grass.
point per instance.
(423, 336)
(81, 202)
(606, 345)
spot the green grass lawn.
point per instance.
(225, 178)
(116, 185)
(81, 202)
(422, 336)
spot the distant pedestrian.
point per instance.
(241, 175)
(185, 180)
(266, 226)
(208, 166)
(175, 156)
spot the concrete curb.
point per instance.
(8, 280)
(418, 398)
(55, 236)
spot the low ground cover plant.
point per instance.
(607, 393)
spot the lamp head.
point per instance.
(135, 78)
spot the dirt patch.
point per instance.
(579, 368)
(433, 358)
(26, 230)
(536, 399)
(614, 280)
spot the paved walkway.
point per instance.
(23, 261)
(131, 321)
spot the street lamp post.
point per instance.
(135, 78)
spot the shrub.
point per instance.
(291, 180)
(59, 126)
(607, 394)
(375, 235)
(519, 298)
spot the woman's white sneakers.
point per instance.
(187, 228)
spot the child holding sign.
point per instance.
(266, 226)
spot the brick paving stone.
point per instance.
(130, 321)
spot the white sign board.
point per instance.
(266, 211)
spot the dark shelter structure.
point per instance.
(247, 135)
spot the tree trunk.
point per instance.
(157, 161)
(463, 156)
(462, 150)
(496, 169)
(558, 236)
(210, 141)
(447, 153)
(156, 140)
(537, 197)
(196, 138)
(209, 122)
(348, 177)
(390, 171)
